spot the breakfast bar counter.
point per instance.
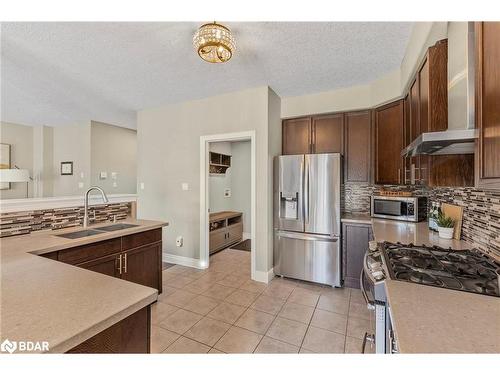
(44, 300)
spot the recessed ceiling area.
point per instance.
(62, 73)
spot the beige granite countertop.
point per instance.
(46, 300)
(430, 319)
(435, 320)
(415, 233)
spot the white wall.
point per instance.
(20, 138)
(71, 143)
(168, 155)
(380, 91)
(113, 149)
(219, 182)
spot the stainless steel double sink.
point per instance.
(95, 231)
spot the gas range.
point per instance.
(464, 270)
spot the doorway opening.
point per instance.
(227, 197)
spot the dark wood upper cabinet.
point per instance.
(488, 104)
(357, 147)
(328, 134)
(388, 143)
(313, 135)
(297, 136)
(414, 109)
(434, 89)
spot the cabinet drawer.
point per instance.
(140, 239)
(88, 252)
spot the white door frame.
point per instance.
(205, 140)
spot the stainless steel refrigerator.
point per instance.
(307, 217)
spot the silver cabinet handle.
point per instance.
(368, 337)
(125, 263)
(120, 264)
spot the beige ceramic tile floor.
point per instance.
(221, 310)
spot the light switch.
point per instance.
(113, 175)
(115, 184)
(80, 185)
(82, 175)
(103, 175)
(185, 186)
(142, 185)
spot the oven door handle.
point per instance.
(369, 304)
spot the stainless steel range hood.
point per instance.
(448, 142)
(460, 136)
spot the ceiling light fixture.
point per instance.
(214, 43)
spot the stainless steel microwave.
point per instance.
(399, 208)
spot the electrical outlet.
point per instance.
(227, 192)
(179, 241)
(185, 186)
(142, 185)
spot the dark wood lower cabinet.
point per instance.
(355, 238)
(143, 265)
(130, 335)
(109, 265)
(136, 257)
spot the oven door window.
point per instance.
(389, 208)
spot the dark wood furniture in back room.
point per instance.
(488, 104)
(226, 229)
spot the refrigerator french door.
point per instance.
(307, 217)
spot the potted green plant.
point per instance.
(445, 225)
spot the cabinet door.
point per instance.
(130, 335)
(424, 97)
(328, 132)
(406, 141)
(297, 136)
(235, 233)
(108, 265)
(388, 143)
(217, 239)
(487, 104)
(357, 147)
(143, 265)
(355, 245)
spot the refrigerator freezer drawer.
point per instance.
(307, 257)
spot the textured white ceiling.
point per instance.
(61, 73)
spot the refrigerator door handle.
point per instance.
(307, 236)
(306, 191)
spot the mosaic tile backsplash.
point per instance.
(481, 221)
(25, 222)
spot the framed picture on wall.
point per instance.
(4, 163)
(66, 168)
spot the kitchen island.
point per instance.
(67, 306)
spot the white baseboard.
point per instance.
(264, 277)
(183, 261)
(246, 236)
